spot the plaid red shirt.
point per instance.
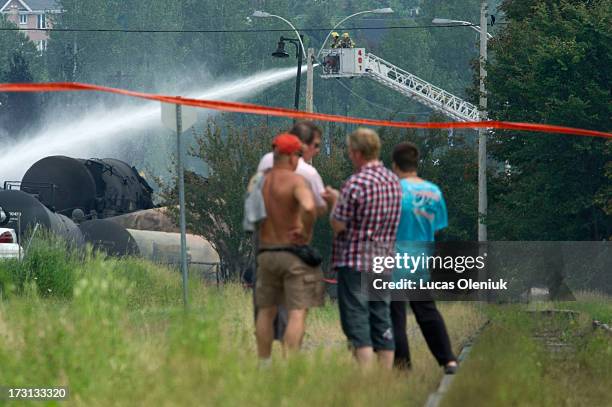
(370, 205)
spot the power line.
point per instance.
(119, 30)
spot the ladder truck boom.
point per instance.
(355, 62)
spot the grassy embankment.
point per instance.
(510, 366)
(115, 333)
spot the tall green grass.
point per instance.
(597, 305)
(50, 264)
(55, 269)
(114, 331)
(509, 367)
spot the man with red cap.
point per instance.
(310, 136)
(288, 271)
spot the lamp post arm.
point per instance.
(477, 29)
(459, 22)
(294, 29)
(336, 26)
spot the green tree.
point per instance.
(21, 108)
(215, 203)
(143, 60)
(604, 196)
(551, 65)
(19, 62)
(452, 48)
(451, 164)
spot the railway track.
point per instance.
(555, 329)
(436, 397)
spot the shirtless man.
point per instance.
(282, 276)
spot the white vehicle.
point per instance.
(9, 248)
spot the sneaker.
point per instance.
(451, 369)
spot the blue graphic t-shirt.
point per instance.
(423, 214)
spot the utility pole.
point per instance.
(309, 81)
(181, 119)
(181, 189)
(75, 50)
(482, 132)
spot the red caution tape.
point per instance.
(297, 114)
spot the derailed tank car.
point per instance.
(25, 212)
(58, 188)
(159, 247)
(99, 187)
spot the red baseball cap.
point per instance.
(286, 143)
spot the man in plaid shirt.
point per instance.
(364, 218)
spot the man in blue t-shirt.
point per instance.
(423, 214)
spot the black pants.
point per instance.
(432, 326)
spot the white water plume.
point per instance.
(103, 128)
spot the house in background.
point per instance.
(31, 14)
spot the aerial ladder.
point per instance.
(355, 62)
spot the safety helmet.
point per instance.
(345, 35)
(335, 34)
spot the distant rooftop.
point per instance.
(35, 5)
(42, 4)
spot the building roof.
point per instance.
(36, 5)
(32, 5)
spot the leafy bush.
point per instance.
(50, 264)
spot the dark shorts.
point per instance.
(365, 323)
(284, 279)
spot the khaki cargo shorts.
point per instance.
(284, 279)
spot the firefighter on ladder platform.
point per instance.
(336, 43)
(347, 42)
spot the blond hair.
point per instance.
(366, 141)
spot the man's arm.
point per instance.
(319, 197)
(441, 215)
(318, 189)
(337, 226)
(303, 194)
(331, 197)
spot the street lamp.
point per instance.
(446, 21)
(281, 53)
(263, 14)
(386, 10)
(482, 133)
